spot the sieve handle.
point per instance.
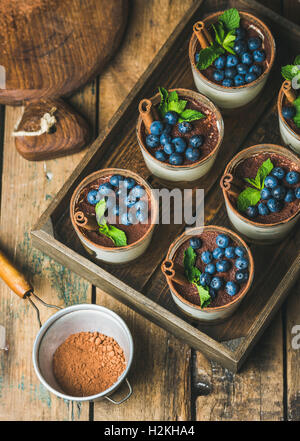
(123, 399)
(13, 277)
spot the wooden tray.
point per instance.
(142, 285)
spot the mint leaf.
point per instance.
(189, 263)
(173, 96)
(208, 55)
(193, 274)
(204, 295)
(289, 71)
(177, 106)
(163, 105)
(297, 60)
(249, 196)
(263, 171)
(228, 42)
(230, 18)
(115, 234)
(296, 118)
(190, 115)
(219, 33)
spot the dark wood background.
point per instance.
(172, 382)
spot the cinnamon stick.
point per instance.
(173, 272)
(89, 223)
(288, 91)
(202, 34)
(148, 113)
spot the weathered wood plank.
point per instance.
(27, 189)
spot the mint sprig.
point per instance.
(251, 196)
(225, 37)
(193, 274)
(291, 70)
(171, 102)
(115, 234)
(296, 118)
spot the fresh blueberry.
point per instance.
(156, 128)
(240, 46)
(232, 60)
(195, 243)
(230, 72)
(218, 253)
(263, 209)
(176, 159)
(218, 75)
(279, 192)
(105, 189)
(297, 192)
(240, 251)
(288, 112)
(222, 241)
(167, 129)
(184, 127)
(240, 34)
(290, 196)
(222, 266)
(246, 58)
(160, 155)
(212, 293)
(205, 279)
(252, 211)
(241, 263)
(271, 182)
(197, 56)
(250, 77)
(129, 183)
(265, 194)
(210, 268)
(138, 191)
(254, 43)
(206, 257)
(278, 172)
(242, 69)
(152, 141)
(227, 82)
(130, 200)
(292, 177)
(216, 283)
(169, 148)
(274, 205)
(256, 69)
(93, 197)
(220, 62)
(171, 117)
(126, 219)
(165, 138)
(239, 80)
(141, 206)
(230, 252)
(180, 144)
(259, 55)
(115, 180)
(196, 141)
(241, 276)
(141, 216)
(232, 288)
(192, 154)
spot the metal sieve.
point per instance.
(67, 321)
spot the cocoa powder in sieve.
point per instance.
(88, 363)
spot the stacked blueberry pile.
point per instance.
(216, 262)
(173, 150)
(275, 194)
(122, 193)
(243, 67)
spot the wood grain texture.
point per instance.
(52, 49)
(69, 135)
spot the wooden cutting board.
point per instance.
(50, 48)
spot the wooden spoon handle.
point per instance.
(13, 278)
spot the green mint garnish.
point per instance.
(171, 102)
(193, 274)
(251, 196)
(296, 118)
(115, 234)
(225, 37)
(291, 70)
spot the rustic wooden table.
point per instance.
(170, 381)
